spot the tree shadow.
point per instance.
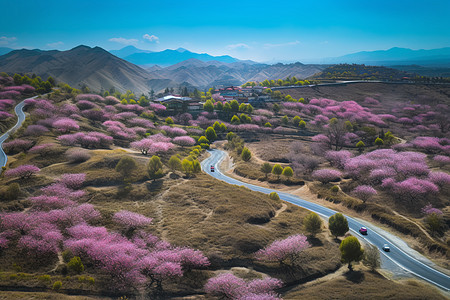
(314, 241)
(355, 276)
(154, 185)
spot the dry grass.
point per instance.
(364, 285)
(4, 295)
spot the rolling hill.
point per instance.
(83, 65)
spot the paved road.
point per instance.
(350, 82)
(398, 254)
(21, 117)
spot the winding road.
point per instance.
(20, 118)
(400, 255)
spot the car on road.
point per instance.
(386, 248)
(212, 168)
(363, 230)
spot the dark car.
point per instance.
(212, 168)
(363, 230)
(386, 248)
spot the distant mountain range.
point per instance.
(397, 56)
(100, 69)
(83, 65)
(166, 57)
(213, 73)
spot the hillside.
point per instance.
(82, 65)
(361, 72)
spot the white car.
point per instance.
(386, 248)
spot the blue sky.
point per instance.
(257, 30)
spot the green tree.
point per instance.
(351, 251)
(187, 167)
(174, 163)
(371, 257)
(246, 155)
(57, 285)
(235, 120)
(227, 108)
(302, 124)
(313, 223)
(360, 145)
(51, 81)
(296, 120)
(276, 108)
(242, 107)
(266, 168)
(277, 170)
(216, 126)
(196, 167)
(219, 105)
(208, 106)
(75, 265)
(169, 121)
(154, 168)
(249, 108)
(203, 140)
(379, 142)
(211, 134)
(288, 172)
(234, 106)
(17, 79)
(338, 225)
(274, 196)
(348, 126)
(267, 124)
(230, 136)
(223, 127)
(126, 167)
(285, 120)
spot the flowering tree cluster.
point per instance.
(173, 131)
(130, 220)
(429, 209)
(66, 125)
(23, 171)
(35, 130)
(141, 122)
(184, 141)
(229, 286)
(284, 251)
(56, 222)
(42, 149)
(326, 175)
(364, 192)
(325, 109)
(86, 140)
(432, 144)
(17, 145)
(89, 97)
(153, 144)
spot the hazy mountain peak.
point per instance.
(181, 50)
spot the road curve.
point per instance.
(375, 236)
(20, 118)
